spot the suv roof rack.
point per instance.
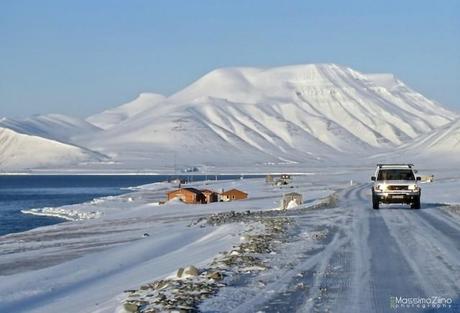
(395, 164)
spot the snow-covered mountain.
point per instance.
(298, 113)
(112, 117)
(52, 126)
(444, 141)
(21, 151)
(307, 114)
(440, 147)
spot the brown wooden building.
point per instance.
(209, 195)
(187, 195)
(233, 194)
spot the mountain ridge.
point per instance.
(297, 112)
(306, 114)
(57, 127)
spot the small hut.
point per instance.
(232, 194)
(269, 179)
(291, 199)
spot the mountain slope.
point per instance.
(351, 99)
(441, 147)
(288, 114)
(442, 144)
(445, 140)
(20, 151)
(112, 117)
(52, 126)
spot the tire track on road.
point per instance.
(368, 257)
(431, 257)
(445, 251)
(441, 222)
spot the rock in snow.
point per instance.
(189, 271)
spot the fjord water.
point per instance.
(19, 192)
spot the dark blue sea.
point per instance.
(18, 192)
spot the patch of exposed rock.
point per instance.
(190, 286)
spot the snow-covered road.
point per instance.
(398, 252)
(367, 261)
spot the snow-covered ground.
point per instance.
(367, 256)
(104, 256)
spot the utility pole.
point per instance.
(175, 164)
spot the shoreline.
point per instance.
(133, 238)
(73, 215)
(60, 173)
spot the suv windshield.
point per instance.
(396, 174)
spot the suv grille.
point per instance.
(398, 187)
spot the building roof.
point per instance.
(189, 189)
(292, 194)
(207, 191)
(228, 192)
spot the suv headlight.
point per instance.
(413, 187)
(380, 187)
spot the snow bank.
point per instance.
(71, 215)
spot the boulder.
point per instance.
(191, 271)
(180, 272)
(215, 275)
(131, 307)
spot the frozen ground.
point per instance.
(365, 258)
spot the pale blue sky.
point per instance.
(80, 57)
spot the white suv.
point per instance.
(395, 183)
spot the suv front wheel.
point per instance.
(416, 203)
(375, 201)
